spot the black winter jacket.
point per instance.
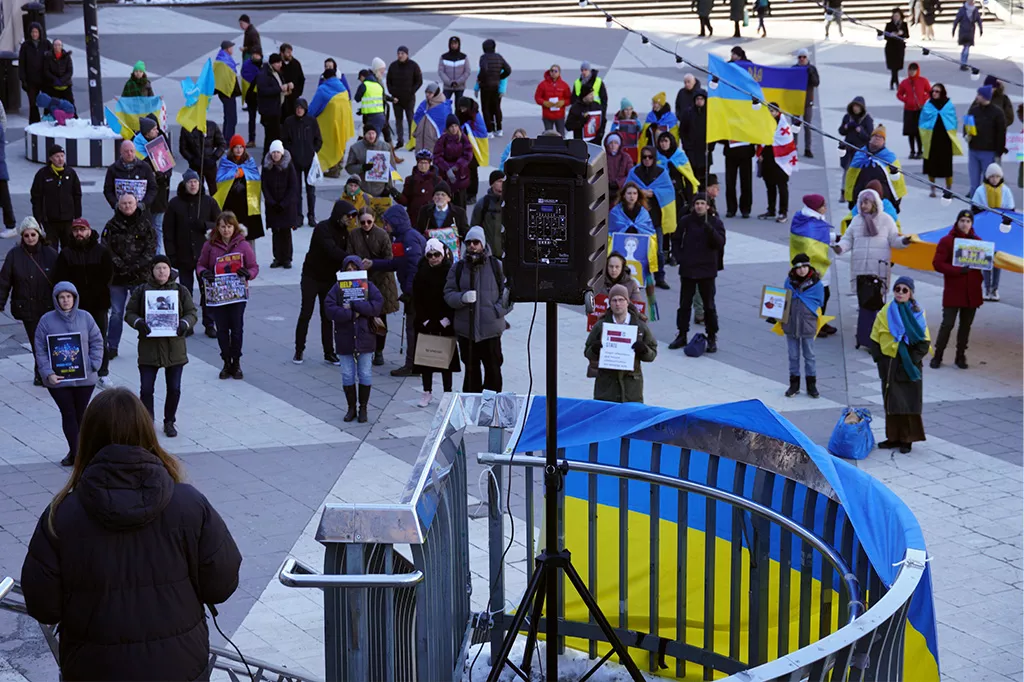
(693, 131)
(404, 80)
(268, 92)
(27, 278)
(684, 99)
(700, 243)
(188, 219)
(291, 72)
(89, 266)
(493, 67)
(328, 245)
(991, 125)
(132, 243)
(56, 196)
(194, 147)
(58, 72)
(139, 170)
(301, 137)
(280, 192)
(134, 559)
(455, 217)
(30, 63)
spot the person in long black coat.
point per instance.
(894, 47)
(25, 279)
(127, 554)
(938, 161)
(281, 201)
(191, 214)
(30, 67)
(433, 315)
(301, 137)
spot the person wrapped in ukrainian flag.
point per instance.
(656, 185)
(332, 109)
(239, 187)
(672, 158)
(876, 162)
(473, 126)
(810, 236)
(660, 119)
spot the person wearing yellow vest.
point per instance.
(596, 94)
(370, 96)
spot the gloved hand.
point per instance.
(367, 166)
(395, 194)
(208, 275)
(638, 346)
(838, 249)
(469, 296)
(906, 240)
(182, 327)
(143, 328)
(445, 322)
(405, 298)
(964, 270)
(243, 273)
(597, 345)
(451, 175)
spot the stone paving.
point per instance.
(280, 452)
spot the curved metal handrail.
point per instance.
(849, 580)
(294, 573)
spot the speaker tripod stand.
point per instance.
(554, 560)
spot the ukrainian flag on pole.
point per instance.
(121, 127)
(731, 113)
(192, 116)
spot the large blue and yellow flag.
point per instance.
(988, 225)
(681, 162)
(731, 113)
(664, 122)
(885, 159)
(926, 124)
(435, 116)
(476, 130)
(248, 74)
(332, 109)
(665, 193)
(784, 85)
(192, 116)
(225, 74)
(131, 109)
(810, 235)
(121, 127)
(228, 171)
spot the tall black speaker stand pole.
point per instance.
(92, 61)
(543, 587)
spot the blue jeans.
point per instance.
(361, 364)
(977, 162)
(965, 52)
(991, 278)
(795, 346)
(158, 225)
(119, 295)
(230, 115)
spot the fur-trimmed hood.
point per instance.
(286, 160)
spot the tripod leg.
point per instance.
(538, 607)
(624, 657)
(498, 664)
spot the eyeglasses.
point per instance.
(473, 241)
(366, 222)
(434, 254)
(647, 157)
(902, 290)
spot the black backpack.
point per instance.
(495, 268)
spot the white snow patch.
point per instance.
(76, 129)
(572, 665)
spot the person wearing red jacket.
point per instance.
(552, 95)
(961, 291)
(913, 92)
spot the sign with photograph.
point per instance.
(159, 154)
(162, 312)
(448, 236)
(775, 303)
(226, 289)
(973, 253)
(228, 264)
(380, 166)
(67, 355)
(127, 186)
(617, 346)
(354, 285)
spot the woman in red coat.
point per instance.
(961, 291)
(913, 92)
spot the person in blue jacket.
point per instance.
(407, 249)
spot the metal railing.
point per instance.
(225, 660)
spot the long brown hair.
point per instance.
(225, 217)
(114, 417)
(641, 199)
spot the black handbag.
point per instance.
(870, 292)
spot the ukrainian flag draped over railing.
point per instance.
(665, 193)
(227, 173)
(332, 109)
(476, 130)
(192, 116)
(784, 85)
(130, 109)
(731, 113)
(434, 116)
(225, 74)
(119, 126)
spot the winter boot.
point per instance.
(378, 358)
(794, 385)
(960, 360)
(364, 397)
(812, 387)
(936, 359)
(227, 369)
(350, 396)
(712, 344)
(169, 429)
(236, 369)
(659, 280)
(678, 342)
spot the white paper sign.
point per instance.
(380, 168)
(1015, 146)
(617, 347)
(162, 312)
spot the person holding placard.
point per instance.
(434, 316)
(162, 311)
(961, 291)
(801, 327)
(620, 326)
(993, 193)
(68, 351)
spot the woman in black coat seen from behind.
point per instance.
(25, 279)
(127, 554)
(433, 316)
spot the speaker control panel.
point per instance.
(547, 226)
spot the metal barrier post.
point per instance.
(496, 543)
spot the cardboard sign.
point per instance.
(973, 253)
(434, 351)
(226, 289)
(228, 264)
(380, 166)
(775, 302)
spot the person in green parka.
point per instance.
(161, 340)
(138, 84)
(620, 386)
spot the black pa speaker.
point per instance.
(556, 219)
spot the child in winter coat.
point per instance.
(801, 327)
(355, 339)
(993, 193)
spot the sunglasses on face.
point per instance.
(647, 157)
(434, 254)
(473, 241)
(902, 290)
(366, 222)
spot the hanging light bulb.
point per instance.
(925, 51)
(756, 103)
(879, 35)
(584, 3)
(608, 21)
(679, 62)
(975, 73)
(947, 198)
(644, 40)
(713, 85)
(1006, 225)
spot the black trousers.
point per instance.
(282, 244)
(474, 180)
(271, 130)
(404, 111)
(706, 287)
(100, 316)
(30, 329)
(71, 401)
(310, 194)
(58, 233)
(776, 182)
(230, 320)
(428, 380)
(33, 110)
(5, 204)
(477, 354)
(208, 172)
(742, 166)
(454, 94)
(963, 332)
(312, 292)
(705, 22)
(147, 379)
(490, 107)
(382, 339)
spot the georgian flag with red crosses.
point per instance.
(784, 146)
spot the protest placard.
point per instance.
(159, 154)
(226, 289)
(354, 285)
(973, 253)
(617, 346)
(162, 312)
(775, 303)
(67, 355)
(380, 167)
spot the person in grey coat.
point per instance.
(70, 395)
(801, 327)
(476, 291)
(454, 70)
(356, 163)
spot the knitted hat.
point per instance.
(443, 187)
(425, 154)
(146, 124)
(659, 99)
(986, 92)
(157, 260)
(618, 290)
(802, 52)
(500, 175)
(991, 80)
(451, 120)
(236, 141)
(476, 233)
(966, 213)
(712, 180)
(54, 149)
(368, 127)
(377, 64)
(432, 88)
(800, 259)
(815, 202)
(624, 103)
(879, 131)
(275, 58)
(276, 146)
(994, 170)
(353, 180)
(403, 48)
(434, 245)
(224, 44)
(700, 196)
(584, 66)
(190, 175)
(905, 281)
(141, 66)
(30, 223)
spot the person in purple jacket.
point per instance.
(354, 337)
(453, 155)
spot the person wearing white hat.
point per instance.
(434, 317)
(281, 199)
